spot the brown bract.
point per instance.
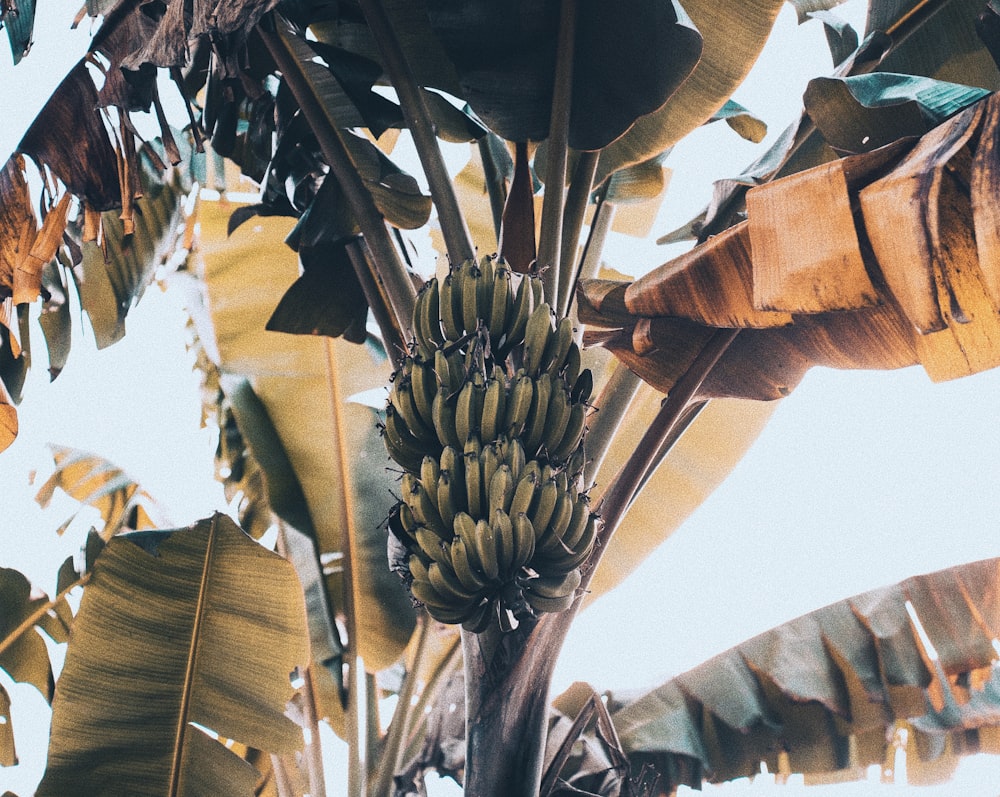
(874, 261)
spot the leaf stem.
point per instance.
(377, 298)
(496, 187)
(389, 268)
(576, 207)
(418, 119)
(612, 404)
(623, 488)
(550, 238)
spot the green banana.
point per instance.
(484, 290)
(524, 541)
(470, 296)
(523, 499)
(501, 304)
(429, 473)
(473, 478)
(485, 547)
(489, 461)
(519, 315)
(446, 498)
(494, 401)
(501, 490)
(536, 337)
(571, 370)
(424, 510)
(427, 319)
(402, 446)
(556, 417)
(443, 411)
(548, 497)
(518, 405)
(466, 420)
(447, 583)
(505, 544)
(537, 415)
(471, 576)
(423, 384)
(582, 387)
(558, 346)
(572, 433)
(433, 547)
(450, 321)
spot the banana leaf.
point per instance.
(696, 465)
(23, 654)
(303, 383)
(825, 690)
(733, 35)
(8, 753)
(95, 482)
(140, 715)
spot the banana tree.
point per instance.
(586, 101)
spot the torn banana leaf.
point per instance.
(827, 688)
(806, 288)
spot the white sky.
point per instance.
(858, 481)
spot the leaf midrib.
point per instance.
(182, 723)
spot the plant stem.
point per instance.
(550, 238)
(576, 207)
(496, 187)
(314, 750)
(600, 226)
(390, 270)
(613, 402)
(29, 621)
(374, 290)
(418, 119)
(623, 489)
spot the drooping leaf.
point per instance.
(17, 222)
(8, 418)
(326, 300)
(19, 20)
(733, 34)
(114, 275)
(840, 36)
(854, 668)
(932, 301)
(55, 319)
(23, 654)
(865, 112)
(303, 382)
(69, 137)
(742, 121)
(505, 64)
(195, 600)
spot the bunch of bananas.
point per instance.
(487, 416)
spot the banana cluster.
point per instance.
(487, 416)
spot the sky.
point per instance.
(859, 480)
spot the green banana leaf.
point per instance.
(303, 382)
(865, 112)
(734, 34)
(19, 20)
(139, 715)
(821, 694)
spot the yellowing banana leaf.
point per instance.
(23, 654)
(8, 418)
(734, 34)
(698, 463)
(827, 688)
(98, 483)
(8, 753)
(303, 383)
(197, 601)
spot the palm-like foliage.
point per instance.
(291, 97)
